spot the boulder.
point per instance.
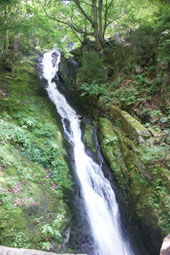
(129, 125)
(67, 69)
(14, 251)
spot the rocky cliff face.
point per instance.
(137, 177)
(138, 163)
(68, 70)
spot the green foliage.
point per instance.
(94, 89)
(21, 240)
(45, 246)
(59, 173)
(154, 153)
(7, 200)
(141, 80)
(52, 230)
(42, 153)
(141, 172)
(91, 70)
(110, 140)
(34, 174)
(162, 28)
(127, 97)
(117, 122)
(31, 21)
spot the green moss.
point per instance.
(33, 172)
(145, 185)
(112, 152)
(129, 125)
(88, 136)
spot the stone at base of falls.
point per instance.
(14, 251)
(165, 249)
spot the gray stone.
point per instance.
(68, 69)
(165, 249)
(14, 251)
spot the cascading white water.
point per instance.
(102, 208)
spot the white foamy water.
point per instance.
(102, 208)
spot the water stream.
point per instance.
(100, 202)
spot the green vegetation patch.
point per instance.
(142, 174)
(34, 173)
(130, 125)
(88, 136)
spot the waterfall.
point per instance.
(99, 198)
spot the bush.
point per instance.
(91, 69)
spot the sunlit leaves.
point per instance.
(45, 23)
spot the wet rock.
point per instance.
(39, 59)
(55, 56)
(88, 134)
(67, 69)
(81, 239)
(43, 82)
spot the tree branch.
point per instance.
(110, 22)
(83, 12)
(77, 36)
(52, 18)
(100, 7)
(77, 29)
(87, 3)
(105, 16)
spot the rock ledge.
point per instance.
(14, 251)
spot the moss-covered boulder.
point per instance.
(129, 125)
(141, 178)
(88, 135)
(34, 174)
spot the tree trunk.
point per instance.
(6, 43)
(100, 18)
(6, 37)
(16, 45)
(97, 21)
(100, 6)
(99, 40)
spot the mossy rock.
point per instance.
(133, 128)
(145, 188)
(34, 173)
(88, 136)
(111, 150)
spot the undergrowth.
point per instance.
(34, 175)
